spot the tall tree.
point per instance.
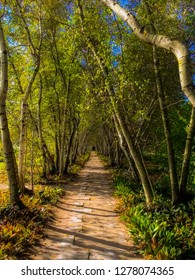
(35, 52)
(5, 134)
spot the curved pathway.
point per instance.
(86, 226)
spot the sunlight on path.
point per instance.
(86, 226)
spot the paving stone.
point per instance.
(65, 242)
(73, 253)
(76, 219)
(87, 210)
(94, 255)
(75, 228)
(85, 198)
(81, 195)
(80, 204)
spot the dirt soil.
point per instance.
(86, 225)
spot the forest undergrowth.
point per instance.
(161, 232)
(20, 229)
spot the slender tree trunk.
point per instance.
(75, 148)
(23, 130)
(22, 147)
(69, 149)
(57, 154)
(5, 135)
(187, 155)
(35, 52)
(48, 160)
(32, 160)
(167, 131)
(38, 127)
(148, 190)
(132, 167)
(47, 157)
(62, 144)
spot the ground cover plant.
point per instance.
(163, 231)
(22, 228)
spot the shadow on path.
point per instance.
(86, 225)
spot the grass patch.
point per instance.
(20, 229)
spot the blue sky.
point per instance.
(124, 2)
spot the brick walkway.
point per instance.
(86, 226)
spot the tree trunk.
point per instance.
(176, 47)
(148, 190)
(35, 52)
(62, 144)
(167, 131)
(187, 155)
(23, 130)
(132, 167)
(75, 147)
(57, 159)
(10, 161)
(47, 157)
(69, 148)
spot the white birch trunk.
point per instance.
(10, 161)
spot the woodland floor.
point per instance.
(86, 225)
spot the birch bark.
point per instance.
(5, 135)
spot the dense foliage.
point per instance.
(74, 76)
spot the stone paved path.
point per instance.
(86, 226)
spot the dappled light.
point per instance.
(97, 104)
